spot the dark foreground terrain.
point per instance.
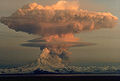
(39, 75)
(60, 77)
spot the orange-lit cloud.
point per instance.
(60, 18)
(56, 23)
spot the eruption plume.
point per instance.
(56, 24)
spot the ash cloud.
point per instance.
(61, 18)
(56, 24)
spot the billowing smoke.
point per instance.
(56, 23)
(59, 19)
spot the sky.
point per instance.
(107, 40)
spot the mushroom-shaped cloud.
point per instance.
(58, 22)
(57, 19)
